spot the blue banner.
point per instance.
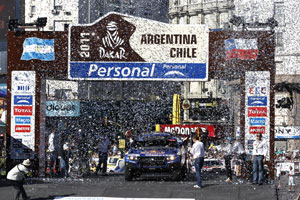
(138, 71)
(257, 121)
(22, 120)
(23, 100)
(257, 101)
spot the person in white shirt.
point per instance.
(16, 177)
(258, 159)
(52, 150)
(291, 180)
(239, 154)
(198, 153)
(227, 153)
(278, 174)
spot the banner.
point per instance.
(257, 107)
(22, 114)
(121, 47)
(187, 130)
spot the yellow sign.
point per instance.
(121, 143)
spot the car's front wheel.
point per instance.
(128, 174)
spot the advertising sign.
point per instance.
(121, 47)
(23, 114)
(288, 132)
(62, 108)
(257, 113)
(187, 130)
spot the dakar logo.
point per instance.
(112, 43)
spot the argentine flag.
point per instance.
(36, 48)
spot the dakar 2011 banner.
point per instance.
(121, 47)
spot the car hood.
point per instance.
(154, 152)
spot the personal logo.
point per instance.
(22, 128)
(22, 120)
(22, 110)
(23, 100)
(257, 121)
(257, 101)
(243, 49)
(257, 129)
(257, 112)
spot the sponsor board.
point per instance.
(257, 129)
(257, 112)
(187, 130)
(22, 128)
(243, 49)
(22, 120)
(22, 114)
(22, 110)
(63, 108)
(23, 99)
(257, 121)
(257, 101)
(289, 132)
(124, 47)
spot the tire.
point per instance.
(128, 175)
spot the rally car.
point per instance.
(155, 154)
(115, 164)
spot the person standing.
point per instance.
(240, 155)
(258, 159)
(103, 148)
(16, 177)
(52, 147)
(278, 175)
(198, 153)
(227, 153)
(66, 156)
(291, 180)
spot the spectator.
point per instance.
(198, 153)
(278, 174)
(103, 147)
(291, 180)
(227, 153)
(62, 166)
(67, 156)
(16, 177)
(258, 159)
(52, 149)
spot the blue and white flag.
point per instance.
(36, 48)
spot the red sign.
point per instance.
(22, 128)
(22, 110)
(243, 54)
(187, 129)
(257, 112)
(257, 129)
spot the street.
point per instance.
(116, 186)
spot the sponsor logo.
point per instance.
(23, 88)
(244, 49)
(257, 129)
(36, 48)
(23, 100)
(257, 90)
(257, 101)
(22, 120)
(22, 128)
(60, 107)
(22, 110)
(257, 112)
(257, 121)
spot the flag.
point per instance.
(36, 48)
(244, 49)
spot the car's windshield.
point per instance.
(157, 141)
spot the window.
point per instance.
(279, 39)
(279, 13)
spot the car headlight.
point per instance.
(133, 157)
(171, 158)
